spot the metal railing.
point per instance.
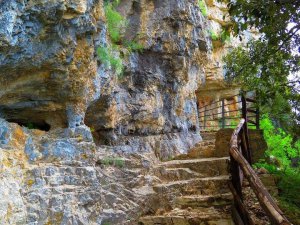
(221, 114)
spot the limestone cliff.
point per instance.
(65, 114)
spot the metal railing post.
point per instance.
(204, 117)
(223, 114)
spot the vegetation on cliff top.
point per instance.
(270, 64)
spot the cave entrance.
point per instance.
(40, 125)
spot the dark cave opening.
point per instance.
(40, 125)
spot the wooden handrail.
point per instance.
(239, 162)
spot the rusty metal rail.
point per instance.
(215, 116)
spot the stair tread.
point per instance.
(216, 178)
(200, 201)
(210, 213)
(205, 197)
(185, 161)
(185, 169)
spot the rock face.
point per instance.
(156, 96)
(51, 76)
(215, 88)
(47, 60)
(60, 177)
(76, 141)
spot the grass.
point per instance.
(113, 161)
(133, 46)
(291, 210)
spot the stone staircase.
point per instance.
(193, 189)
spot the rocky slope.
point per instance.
(66, 116)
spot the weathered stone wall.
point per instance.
(156, 96)
(61, 177)
(51, 78)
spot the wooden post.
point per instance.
(248, 156)
(239, 205)
(257, 117)
(267, 203)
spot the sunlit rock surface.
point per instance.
(76, 141)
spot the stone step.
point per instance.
(208, 216)
(206, 167)
(207, 151)
(199, 151)
(206, 135)
(196, 201)
(199, 186)
(175, 174)
(205, 143)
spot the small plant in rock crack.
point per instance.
(106, 223)
(202, 6)
(112, 161)
(112, 56)
(224, 36)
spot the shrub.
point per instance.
(280, 144)
(107, 57)
(133, 46)
(115, 22)
(202, 6)
(224, 36)
(116, 25)
(278, 161)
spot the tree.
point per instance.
(269, 64)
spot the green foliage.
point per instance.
(202, 6)
(109, 59)
(116, 25)
(278, 161)
(115, 22)
(133, 46)
(224, 36)
(268, 77)
(265, 64)
(291, 210)
(280, 144)
(271, 18)
(214, 35)
(112, 161)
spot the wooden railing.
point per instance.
(240, 167)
